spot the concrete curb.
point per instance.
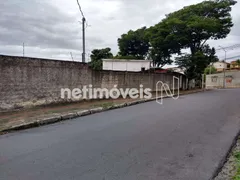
(68, 116)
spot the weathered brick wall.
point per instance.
(26, 82)
(107, 79)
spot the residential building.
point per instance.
(220, 66)
(235, 65)
(126, 65)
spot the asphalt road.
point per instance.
(182, 139)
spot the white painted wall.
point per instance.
(231, 80)
(126, 65)
(220, 65)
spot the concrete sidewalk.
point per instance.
(39, 116)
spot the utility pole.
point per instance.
(23, 49)
(84, 44)
(83, 31)
(71, 56)
(203, 81)
(210, 68)
(224, 70)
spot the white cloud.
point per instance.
(50, 28)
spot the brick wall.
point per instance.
(26, 82)
(29, 82)
(107, 79)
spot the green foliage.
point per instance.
(196, 64)
(97, 56)
(237, 157)
(126, 57)
(238, 62)
(210, 70)
(134, 44)
(162, 45)
(104, 105)
(160, 56)
(193, 25)
(188, 28)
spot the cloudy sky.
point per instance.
(51, 28)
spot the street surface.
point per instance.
(182, 139)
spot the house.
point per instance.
(126, 65)
(220, 66)
(235, 65)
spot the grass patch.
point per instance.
(104, 105)
(237, 157)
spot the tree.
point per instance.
(161, 49)
(160, 57)
(97, 56)
(134, 44)
(195, 64)
(238, 63)
(192, 26)
(210, 70)
(124, 57)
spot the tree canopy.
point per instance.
(134, 44)
(97, 55)
(196, 63)
(193, 25)
(210, 70)
(191, 28)
(188, 28)
(238, 62)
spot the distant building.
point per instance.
(220, 66)
(126, 65)
(235, 65)
(177, 69)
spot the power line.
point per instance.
(87, 25)
(229, 58)
(229, 47)
(80, 9)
